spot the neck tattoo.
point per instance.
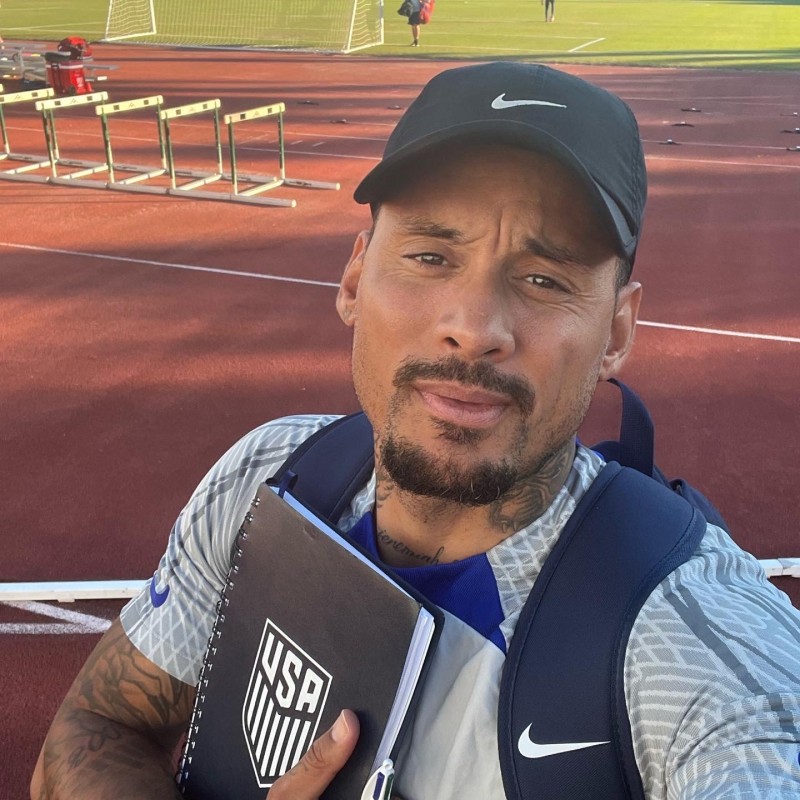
(387, 542)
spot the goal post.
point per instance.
(322, 25)
(130, 19)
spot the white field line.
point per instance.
(294, 152)
(712, 162)
(170, 265)
(285, 279)
(720, 332)
(778, 147)
(71, 621)
(42, 628)
(586, 44)
(9, 32)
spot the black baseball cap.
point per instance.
(587, 129)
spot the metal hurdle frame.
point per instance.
(48, 109)
(259, 183)
(32, 162)
(201, 178)
(133, 183)
(47, 104)
(265, 183)
(22, 60)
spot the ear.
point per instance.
(348, 288)
(623, 326)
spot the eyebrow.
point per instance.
(554, 252)
(422, 226)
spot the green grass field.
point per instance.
(698, 33)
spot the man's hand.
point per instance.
(309, 778)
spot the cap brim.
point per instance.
(378, 181)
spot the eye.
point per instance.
(545, 282)
(429, 259)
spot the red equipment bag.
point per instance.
(66, 75)
(426, 11)
(65, 66)
(76, 46)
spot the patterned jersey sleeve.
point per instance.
(712, 680)
(170, 620)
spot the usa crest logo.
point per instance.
(283, 705)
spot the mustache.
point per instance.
(479, 373)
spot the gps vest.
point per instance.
(563, 681)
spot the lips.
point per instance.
(466, 406)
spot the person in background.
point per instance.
(421, 11)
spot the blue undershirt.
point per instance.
(467, 589)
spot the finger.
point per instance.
(317, 768)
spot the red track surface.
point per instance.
(122, 381)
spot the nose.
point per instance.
(475, 320)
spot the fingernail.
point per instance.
(340, 728)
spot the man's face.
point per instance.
(484, 310)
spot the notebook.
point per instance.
(307, 625)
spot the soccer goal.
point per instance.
(323, 25)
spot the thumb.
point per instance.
(309, 778)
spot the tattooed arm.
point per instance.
(116, 730)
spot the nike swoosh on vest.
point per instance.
(530, 749)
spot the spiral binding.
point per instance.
(185, 762)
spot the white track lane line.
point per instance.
(284, 279)
(44, 628)
(586, 44)
(71, 621)
(169, 265)
(720, 332)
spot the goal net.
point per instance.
(332, 25)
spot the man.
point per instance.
(415, 21)
(489, 297)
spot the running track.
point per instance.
(141, 335)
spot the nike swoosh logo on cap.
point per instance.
(530, 749)
(500, 103)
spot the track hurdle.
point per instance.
(133, 183)
(263, 183)
(32, 162)
(48, 109)
(259, 184)
(201, 178)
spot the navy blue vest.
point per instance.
(563, 678)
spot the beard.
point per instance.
(416, 470)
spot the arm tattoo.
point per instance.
(118, 727)
(118, 682)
